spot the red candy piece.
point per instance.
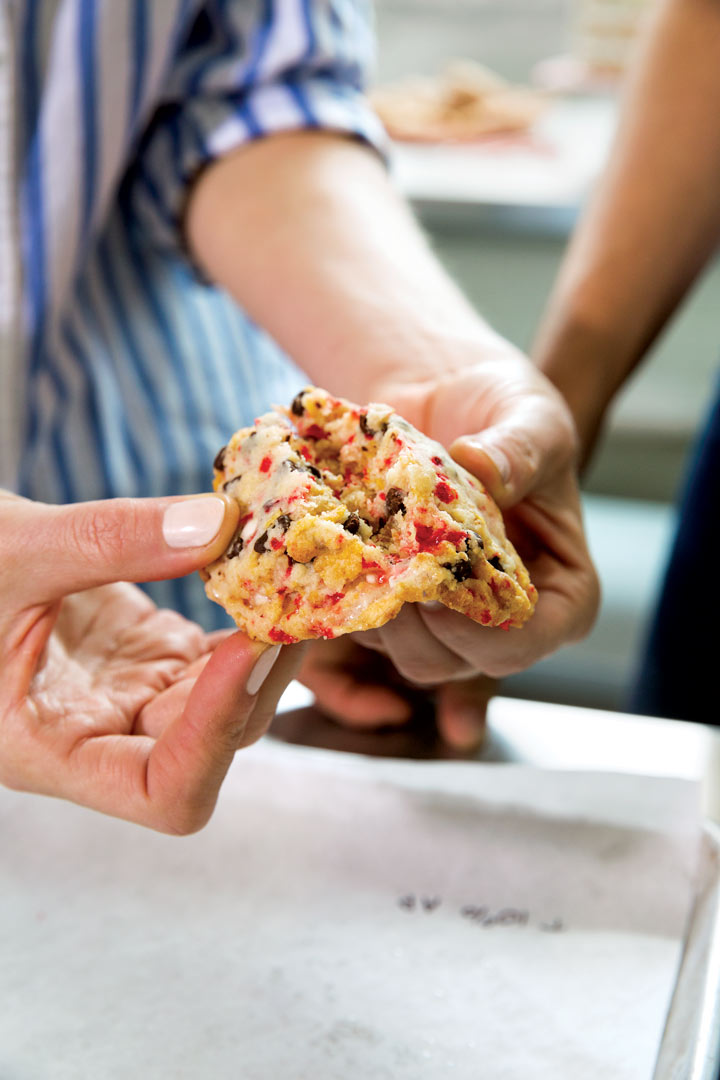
(445, 493)
(281, 637)
(315, 432)
(265, 464)
(430, 537)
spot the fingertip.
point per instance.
(201, 524)
(489, 463)
(461, 712)
(228, 526)
(463, 730)
(378, 706)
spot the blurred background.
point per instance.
(499, 209)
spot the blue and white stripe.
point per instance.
(135, 369)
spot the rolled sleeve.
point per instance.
(246, 70)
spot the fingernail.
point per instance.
(262, 669)
(499, 459)
(193, 522)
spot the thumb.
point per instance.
(80, 546)
(522, 451)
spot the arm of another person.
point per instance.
(652, 224)
(306, 232)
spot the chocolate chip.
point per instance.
(352, 524)
(235, 547)
(297, 466)
(495, 561)
(219, 462)
(284, 521)
(260, 544)
(461, 570)
(367, 430)
(394, 501)
(297, 408)
(478, 540)
(229, 483)
(381, 523)
(365, 427)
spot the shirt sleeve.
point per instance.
(244, 70)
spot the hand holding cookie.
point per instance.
(507, 425)
(354, 521)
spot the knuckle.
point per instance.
(12, 775)
(97, 531)
(15, 756)
(183, 820)
(10, 779)
(425, 675)
(501, 669)
(587, 613)
(525, 451)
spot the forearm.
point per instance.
(653, 222)
(306, 232)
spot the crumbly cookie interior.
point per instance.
(347, 513)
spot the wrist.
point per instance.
(427, 352)
(588, 364)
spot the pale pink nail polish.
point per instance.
(193, 522)
(262, 669)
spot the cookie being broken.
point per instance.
(347, 513)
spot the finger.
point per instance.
(461, 709)
(84, 545)
(160, 711)
(419, 655)
(353, 695)
(172, 784)
(370, 639)
(529, 443)
(285, 668)
(189, 761)
(499, 653)
(351, 684)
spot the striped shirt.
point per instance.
(129, 370)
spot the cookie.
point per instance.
(464, 103)
(346, 514)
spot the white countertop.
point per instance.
(552, 168)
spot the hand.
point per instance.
(505, 422)
(106, 700)
(360, 689)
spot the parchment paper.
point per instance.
(347, 918)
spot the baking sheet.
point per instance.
(690, 1046)
(347, 918)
